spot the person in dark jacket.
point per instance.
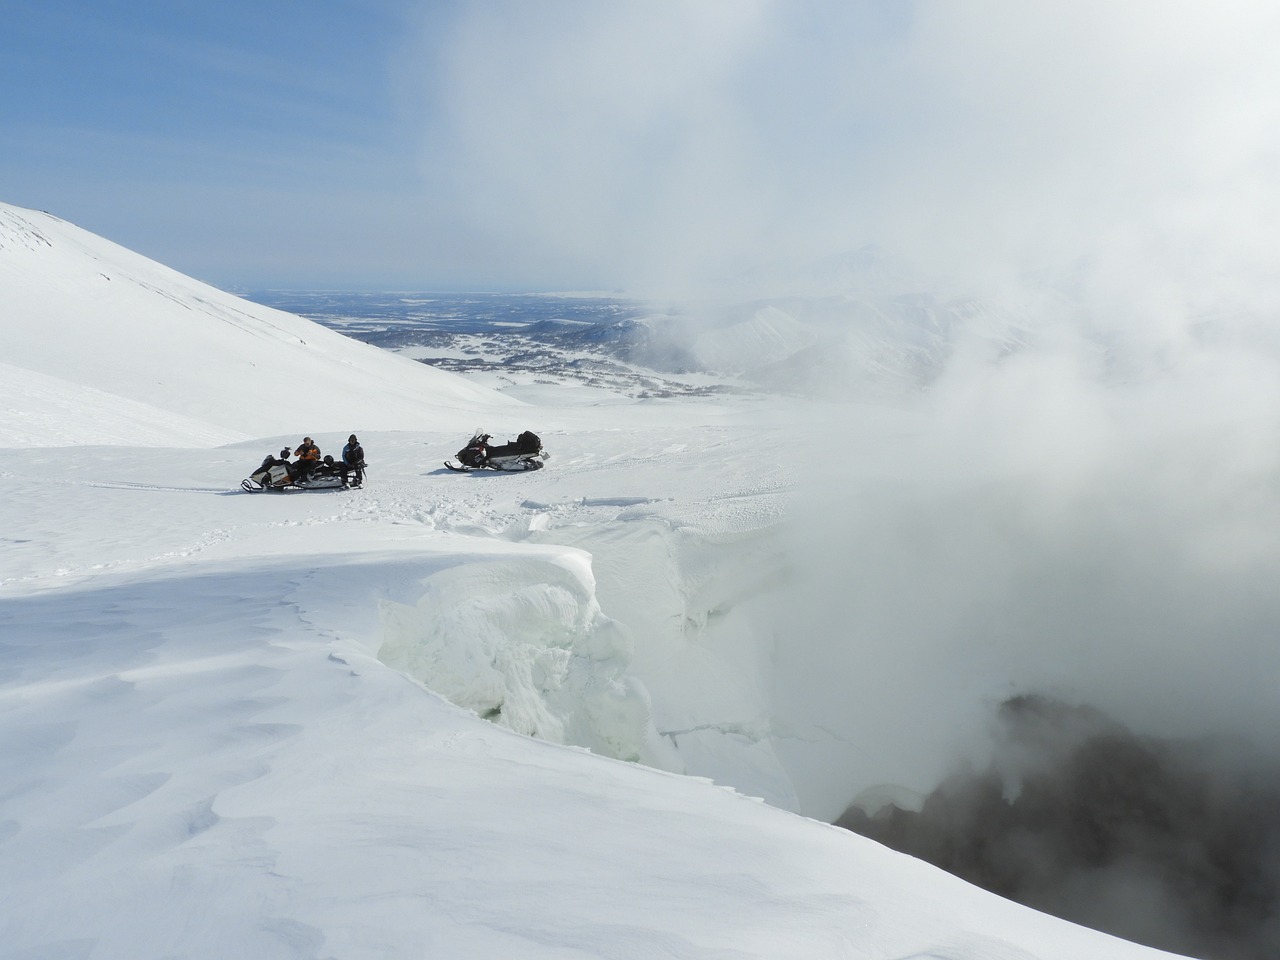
(353, 457)
(308, 455)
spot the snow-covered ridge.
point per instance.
(88, 312)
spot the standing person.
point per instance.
(353, 457)
(308, 455)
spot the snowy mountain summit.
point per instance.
(224, 716)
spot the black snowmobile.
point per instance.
(277, 473)
(523, 453)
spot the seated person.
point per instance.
(308, 455)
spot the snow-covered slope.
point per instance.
(215, 741)
(85, 311)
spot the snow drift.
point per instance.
(522, 641)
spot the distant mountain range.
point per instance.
(866, 346)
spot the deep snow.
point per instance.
(214, 741)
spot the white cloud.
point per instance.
(645, 141)
(595, 136)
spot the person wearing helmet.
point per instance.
(353, 457)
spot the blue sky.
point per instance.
(641, 144)
(196, 132)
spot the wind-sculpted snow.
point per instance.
(522, 642)
(696, 594)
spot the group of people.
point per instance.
(309, 462)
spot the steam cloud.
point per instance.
(660, 147)
(1082, 501)
(1082, 518)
